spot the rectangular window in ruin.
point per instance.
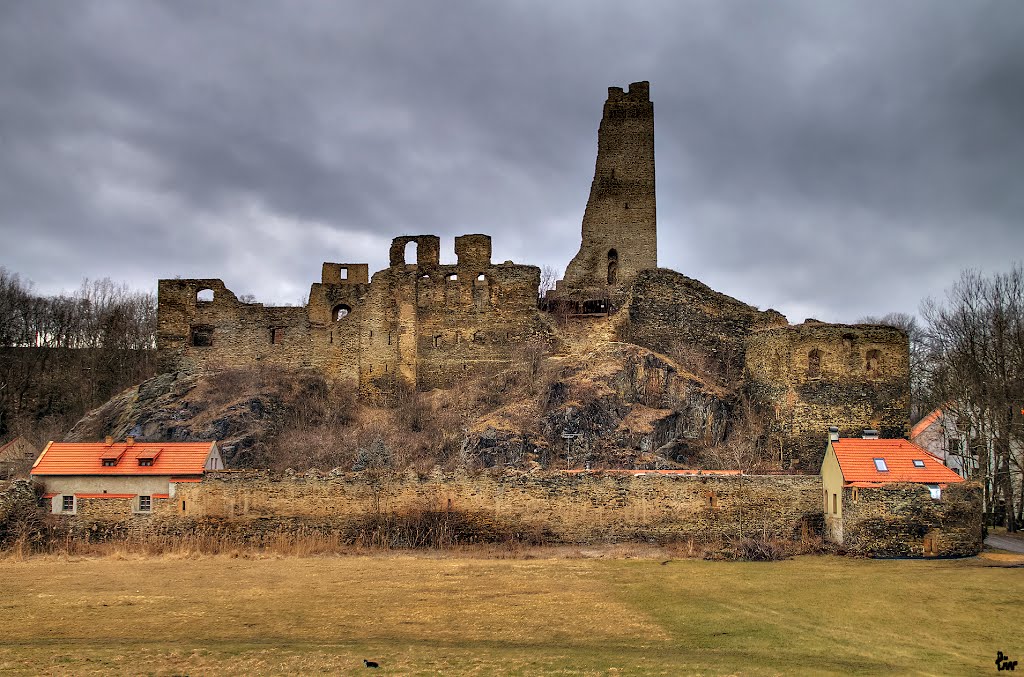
(343, 273)
(277, 335)
(202, 336)
(67, 503)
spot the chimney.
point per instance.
(131, 440)
(833, 433)
(108, 440)
(870, 434)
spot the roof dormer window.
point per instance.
(109, 462)
(880, 465)
(145, 461)
(918, 463)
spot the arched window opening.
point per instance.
(204, 296)
(873, 362)
(814, 363)
(411, 249)
(340, 312)
(613, 266)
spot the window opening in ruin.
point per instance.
(880, 465)
(331, 339)
(343, 273)
(855, 494)
(918, 463)
(183, 506)
(202, 336)
(452, 277)
(410, 254)
(936, 491)
(872, 361)
(204, 296)
(613, 266)
(814, 363)
(437, 341)
(481, 278)
(835, 504)
(277, 335)
(145, 503)
(340, 312)
(67, 503)
(389, 338)
(713, 500)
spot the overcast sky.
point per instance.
(825, 159)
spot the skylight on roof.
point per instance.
(880, 465)
(918, 463)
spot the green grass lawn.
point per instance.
(424, 615)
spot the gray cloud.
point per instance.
(827, 160)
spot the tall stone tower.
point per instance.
(620, 234)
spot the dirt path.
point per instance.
(1005, 543)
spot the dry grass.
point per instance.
(458, 615)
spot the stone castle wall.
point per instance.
(902, 520)
(808, 377)
(667, 310)
(566, 508)
(419, 322)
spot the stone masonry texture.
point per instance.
(566, 508)
(902, 520)
(620, 221)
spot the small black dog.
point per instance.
(370, 664)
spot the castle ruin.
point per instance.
(429, 325)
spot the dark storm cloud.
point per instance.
(825, 159)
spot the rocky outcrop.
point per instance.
(619, 405)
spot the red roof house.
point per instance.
(144, 473)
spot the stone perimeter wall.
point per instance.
(566, 508)
(902, 520)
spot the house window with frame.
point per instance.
(67, 503)
(145, 503)
(918, 463)
(880, 465)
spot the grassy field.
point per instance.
(424, 615)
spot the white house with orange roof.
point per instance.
(143, 474)
(872, 480)
(938, 433)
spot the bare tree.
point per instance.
(974, 363)
(548, 277)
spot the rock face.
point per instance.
(620, 405)
(179, 407)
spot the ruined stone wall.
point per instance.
(667, 310)
(902, 520)
(421, 322)
(808, 377)
(620, 221)
(568, 508)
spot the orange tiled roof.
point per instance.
(924, 423)
(86, 458)
(856, 460)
